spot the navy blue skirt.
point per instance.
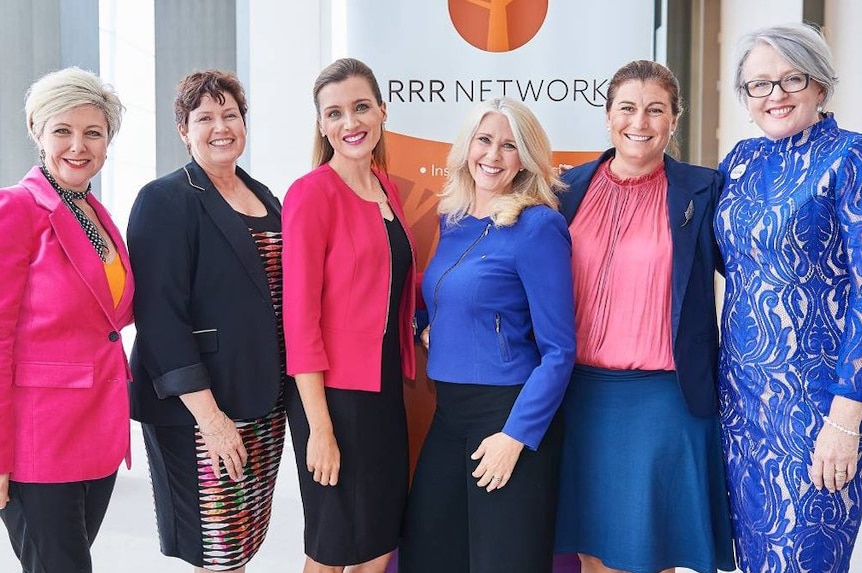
(642, 482)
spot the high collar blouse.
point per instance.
(621, 264)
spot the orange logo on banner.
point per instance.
(498, 25)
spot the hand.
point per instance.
(425, 337)
(223, 442)
(498, 455)
(833, 463)
(323, 458)
(4, 490)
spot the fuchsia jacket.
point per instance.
(336, 282)
(64, 405)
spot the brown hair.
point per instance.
(648, 71)
(338, 71)
(212, 83)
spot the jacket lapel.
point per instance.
(687, 203)
(577, 181)
(230, 224)
(74, 242)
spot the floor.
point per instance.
(128, 540)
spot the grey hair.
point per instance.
(62, 90)
(802, 45)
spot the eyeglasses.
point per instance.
(789, 84)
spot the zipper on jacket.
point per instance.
(455, 264)
(501, 338)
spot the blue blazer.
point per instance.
(203, 309)
(692, 193)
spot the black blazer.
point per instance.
(203, 309)
(692, 193)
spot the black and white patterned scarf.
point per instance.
(67, 195)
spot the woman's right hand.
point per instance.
(224, 444)
(4, 490)
(323, 457)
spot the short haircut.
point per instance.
(802, 45)
(62, 90)
(213, 83)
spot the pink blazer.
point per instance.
(64, 406)
(336, 282)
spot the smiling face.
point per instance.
(493, 158)
(641, 122)
(779, 114)
(75, 144)
(215, 133)
(350, 118)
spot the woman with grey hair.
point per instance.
(789, 223)
(65, 294)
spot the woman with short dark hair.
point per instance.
(208, 360)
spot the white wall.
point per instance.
(842, 20)
(287, 49)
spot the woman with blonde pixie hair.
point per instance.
(500, 348)
(65, 293)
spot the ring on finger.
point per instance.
(496, 479)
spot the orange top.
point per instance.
(621, 264)
(116, 273)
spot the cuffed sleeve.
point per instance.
(162, 253)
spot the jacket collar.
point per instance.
(231, 225)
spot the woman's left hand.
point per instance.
(498, 455)
(833, 463)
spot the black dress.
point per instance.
(360, 518)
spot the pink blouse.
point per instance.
(621, 263)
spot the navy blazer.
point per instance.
(692, 193)
(203, 308)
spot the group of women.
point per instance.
(622, 448)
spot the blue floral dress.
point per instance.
(789, 225)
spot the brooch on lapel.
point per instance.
(689, 213)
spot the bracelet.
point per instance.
(841, 428)
(221, 427)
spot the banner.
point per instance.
(435, 59)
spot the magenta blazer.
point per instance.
(336, 282)
(64, 405)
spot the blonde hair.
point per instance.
(60, 91)
(534, 185)
(336, 72)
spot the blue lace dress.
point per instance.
(789, 225)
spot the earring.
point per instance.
(819, 109)
(750, 120)
(671, 133)
(42, 156)
(521, 169)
